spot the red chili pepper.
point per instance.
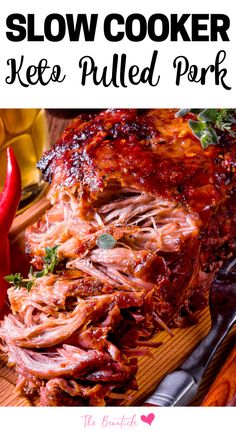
(9, 201)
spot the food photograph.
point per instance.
(118, 257)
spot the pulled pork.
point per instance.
(166, 203)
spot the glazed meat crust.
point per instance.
(151, 151)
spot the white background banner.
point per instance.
(23, 77)
(117, 419)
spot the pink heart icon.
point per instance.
(148, 418)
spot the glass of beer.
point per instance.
(25, 130)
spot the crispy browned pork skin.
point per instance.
(143, 178)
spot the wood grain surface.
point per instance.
(223, 390)
(163, 359)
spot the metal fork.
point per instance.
(179, 387)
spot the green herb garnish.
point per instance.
(209, 122)
(106, 241)
(206, 134)
(50, 262)
(225, 119)
(18, 281)
(51, 259)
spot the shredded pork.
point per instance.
(74, 338)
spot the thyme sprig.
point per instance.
(209, 122)
(50, 262)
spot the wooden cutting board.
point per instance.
(151, 369)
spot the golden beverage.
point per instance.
(25, 130)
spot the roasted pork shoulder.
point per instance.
(141, 180)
